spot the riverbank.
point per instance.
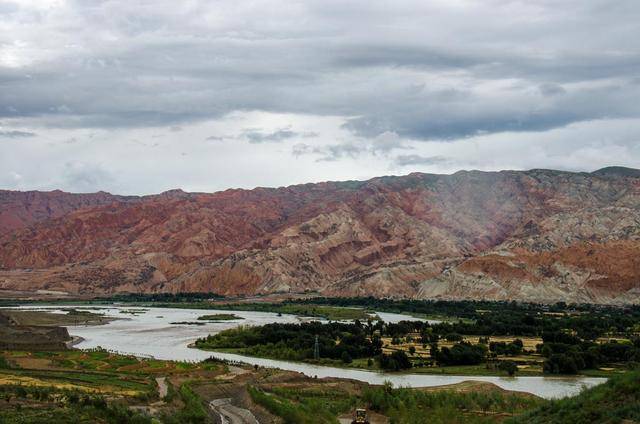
(64, 316)
(412, 347)
(219, 317)
(151, 334)
(75, 340)
(362, 364)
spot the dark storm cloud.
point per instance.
(418, 69)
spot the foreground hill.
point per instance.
(616, 401)
(535, 235)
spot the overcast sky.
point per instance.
(137, 97)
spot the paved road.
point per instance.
(231, 414)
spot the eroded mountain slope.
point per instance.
(535, 235)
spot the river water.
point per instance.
(150, 332)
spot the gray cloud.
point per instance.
(8, 7)
(302, 149)
(331, 152)
(420, 69)
(404, 160)
(255, 136)
(335, 152)
(429, 116)
(17, 134)
(382, 144)
(85, 177)
(551, 89)
(214, 138)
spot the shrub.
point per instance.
(560, 364)
(397, 361)
(453, 337)
(462, 353)
(4, 364)
(509, 367)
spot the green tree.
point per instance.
(509, 367)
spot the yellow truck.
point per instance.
(360, 417)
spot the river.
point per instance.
(149, 332)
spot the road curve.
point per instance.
(231, 414)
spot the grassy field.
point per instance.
(90, 411)
(78, 386)
(99, 360)
(334, 313)
(92, 372)
(85, 382)
(529, 364)
(322, 403)
(304, 405)
(97, 386)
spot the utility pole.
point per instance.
(316, 349)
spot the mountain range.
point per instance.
(538, 235)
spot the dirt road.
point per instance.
(231, 414)
(163, 389)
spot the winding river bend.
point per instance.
(152, 332)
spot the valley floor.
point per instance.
(41, 384)
(81, 386)
(101, 387)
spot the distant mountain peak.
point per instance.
(618, 171)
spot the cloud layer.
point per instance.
(357, 88)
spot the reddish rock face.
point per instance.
(537, 235)
(22, 209)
